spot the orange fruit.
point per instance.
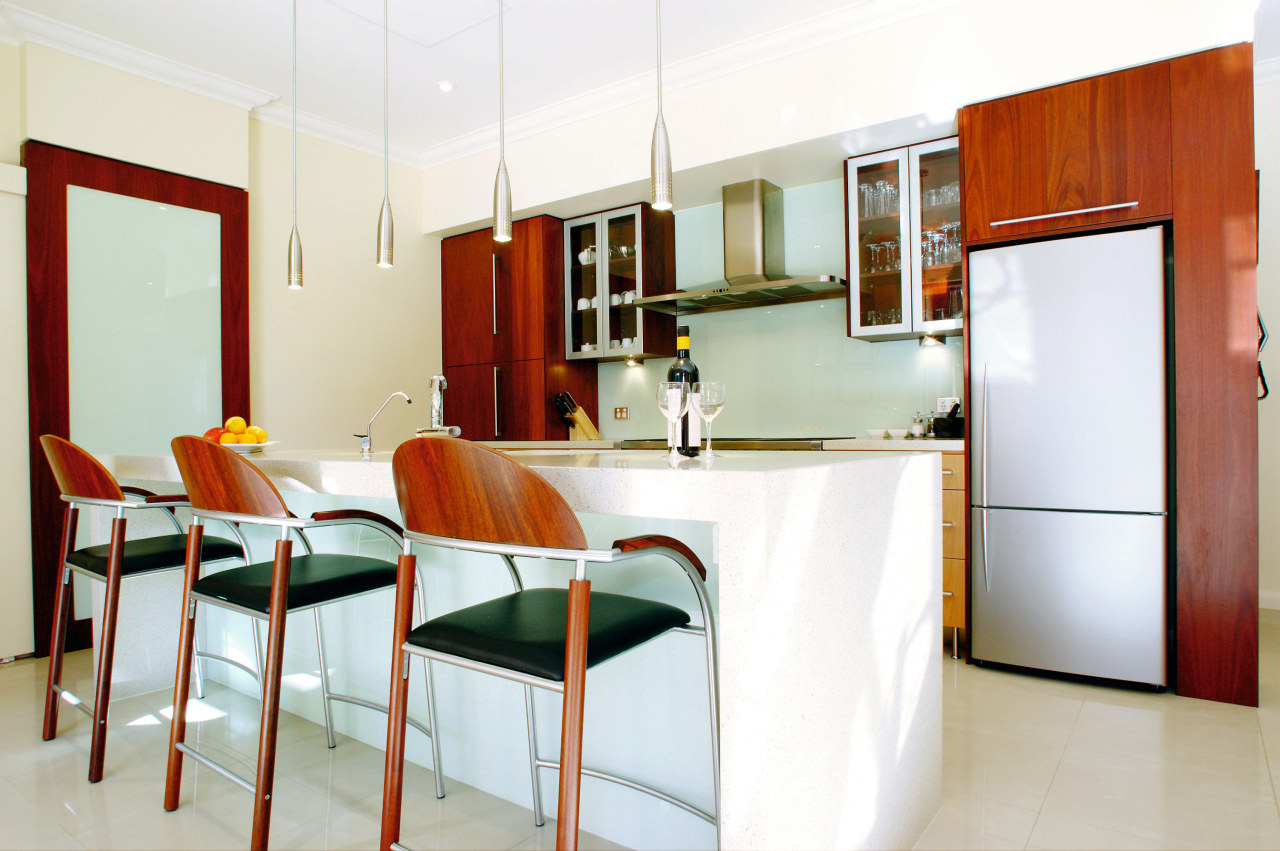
(228, 437)
(246, 438)
(236, 425)
(259, 434)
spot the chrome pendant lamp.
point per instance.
(295, 241)
(386, 225)
(501, 184)
(660, 152)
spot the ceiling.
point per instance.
(560, 55)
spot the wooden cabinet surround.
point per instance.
(1031, 162)
(503, 334)
(1176, 137)
(955, 513)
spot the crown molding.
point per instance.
(1266, 71)
(24, 26)
(309, 124)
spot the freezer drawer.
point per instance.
(1076, 593)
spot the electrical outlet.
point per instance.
(946, 403)
(620, 413)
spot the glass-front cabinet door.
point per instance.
(877, 188)
(582, 293)
(905, 251)
(935, 235)
(612, 259)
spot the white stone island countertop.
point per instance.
(822, 567)
(905, 444)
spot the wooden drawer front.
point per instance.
(952, 471)
(953, 512)
(953, 584)
(1099, 142)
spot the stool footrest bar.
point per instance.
(639, 787)
(216, 767)
(71, 700)
(369, 704)
(200, 654)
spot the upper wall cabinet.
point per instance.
(904, 242)
(610, 260)
(493, 297)
(1081, 154)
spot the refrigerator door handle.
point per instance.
(982, 428)
(986, 570)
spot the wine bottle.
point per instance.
(685, 370)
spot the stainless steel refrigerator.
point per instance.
(1068, 480)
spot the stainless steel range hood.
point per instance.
(753, 260)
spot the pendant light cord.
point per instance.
(501, 112)
(386, 110)
(658, 7)
(294, 97)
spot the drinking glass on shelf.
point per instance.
(879, 198)
(890, 198)
(710, 404)
(864, 199)
(892, 262)
(926, 249)
(673, 401)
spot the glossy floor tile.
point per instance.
(1040, 763)
(323, 799)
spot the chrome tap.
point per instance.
(366, 439)
(437, 426)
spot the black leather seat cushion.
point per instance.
(144, 555)
(313, 581)
(525, 631)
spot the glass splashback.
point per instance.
(144, 328)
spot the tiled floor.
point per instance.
(1028, 762)
(323, 798)
(1031, 762)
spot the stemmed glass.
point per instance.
(710, 404)
(673, 401)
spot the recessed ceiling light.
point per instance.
(445, 86)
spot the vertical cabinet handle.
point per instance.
(493, 285)
(497, 423)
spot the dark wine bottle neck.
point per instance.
(682, 353)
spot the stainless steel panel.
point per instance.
(1072, 592)
(1070, 334)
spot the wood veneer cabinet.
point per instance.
(955, 510)
(1032, 162)
(1176, 136)
(503, 334)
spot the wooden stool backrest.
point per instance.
(77, 472)
(218, 479)
(453, 488)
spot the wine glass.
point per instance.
(673, 401)
(710, 403)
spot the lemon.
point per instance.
(228, 437)
(236, 425)
(259, 434)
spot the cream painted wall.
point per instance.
(89, 107)
(324, 358)
(15, 502)
(922, 66)
(1266, 112)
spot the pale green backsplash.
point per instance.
(790, 370)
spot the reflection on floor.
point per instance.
(1031, 762)
(1028, 762)
(323, 798)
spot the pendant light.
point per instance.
(386, 226)
(501, 184)
(295, 241)
(660, 152)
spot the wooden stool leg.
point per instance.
(61, 609)
(575, 683)
(278, 614)
(106, 651)
(398, 705)
(182, 680)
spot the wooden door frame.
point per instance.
(50, 170)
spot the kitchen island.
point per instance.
(822, 571)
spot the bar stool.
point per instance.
(224, 486)
(84, 481)
(465, 496)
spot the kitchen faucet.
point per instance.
(366, 439)
(437, 426)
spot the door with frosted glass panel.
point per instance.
(137, 320)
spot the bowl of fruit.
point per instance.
(239, 436)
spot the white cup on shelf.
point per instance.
(595, 301)
(629, 296)
(615, 299)
(583, 303)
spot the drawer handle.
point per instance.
(948, 472)
(948, 593)
(1079, 212)
(947, 524)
